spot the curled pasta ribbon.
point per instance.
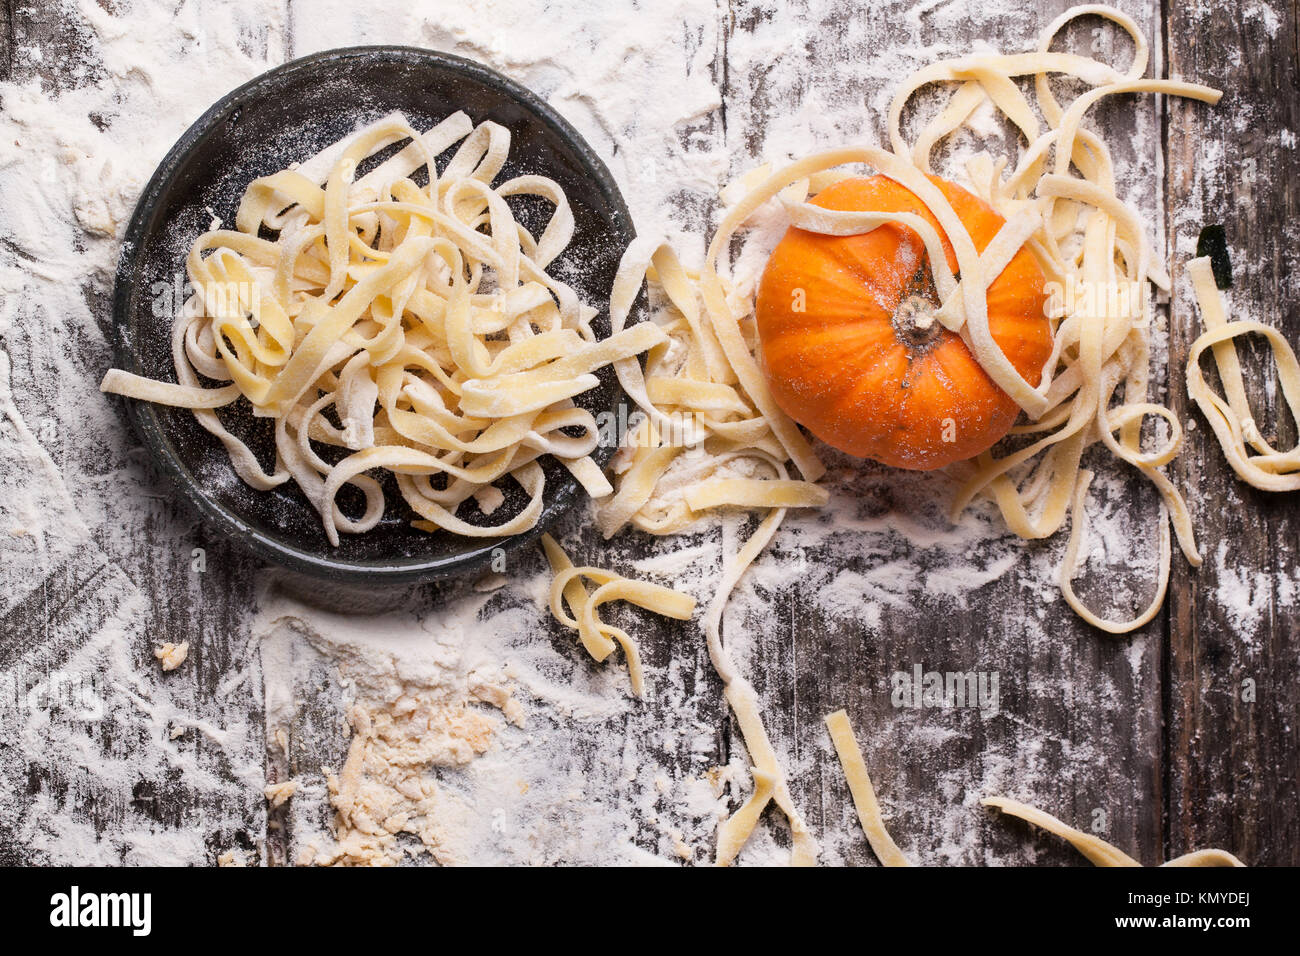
(1097, 850)
(1070, 563)
(1254, 460)
(709, 435)
(582, 614)
(707, 316)
(400, 321)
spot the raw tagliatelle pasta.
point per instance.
(582, 614)
(405, 318)
(1094, 250)
(1059, 201)
(1097, 850)
(1094, 848)
(863, 793)
(711, 437)
(1254, 460)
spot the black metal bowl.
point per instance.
(286, 115)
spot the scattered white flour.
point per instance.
(455, 720)
(1245, 596)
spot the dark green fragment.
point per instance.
(1213, 242)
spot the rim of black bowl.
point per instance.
(143, 417)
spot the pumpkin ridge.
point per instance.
(877, 285)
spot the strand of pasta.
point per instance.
(743, 699)
(863, 793)
(422, 316)
(597, 637)
(882, 844)
(1231, 418)
(711, 438)
(657, 492)
(1094, 848)
(1096, 350)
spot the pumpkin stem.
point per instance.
(914, 317)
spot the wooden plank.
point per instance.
(38, 41)
(183, 786)
(1233, 761)
(1078, 732)
(6, 39)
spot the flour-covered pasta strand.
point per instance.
(1096, 849)
(1254, 460)
(575, 607)
(1058, 201)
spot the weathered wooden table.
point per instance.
(1158, 731)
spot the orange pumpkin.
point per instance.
(845, 356)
